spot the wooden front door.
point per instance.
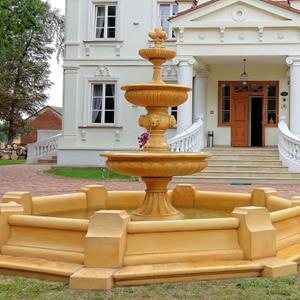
(239, 127)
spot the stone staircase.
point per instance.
(243, 166)
(51, 160)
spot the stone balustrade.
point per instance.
(289, 147)
(45, 149)
(191, 140)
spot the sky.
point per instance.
(56, 91)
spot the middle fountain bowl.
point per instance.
(156, 94)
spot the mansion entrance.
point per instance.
(248, 108)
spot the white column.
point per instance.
(185, 78)
(294, 63)
(200, 95)
(199, 102)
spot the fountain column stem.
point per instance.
(156, 205)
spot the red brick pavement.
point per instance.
(31, 178)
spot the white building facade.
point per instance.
(214, 40)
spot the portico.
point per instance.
(212, 41)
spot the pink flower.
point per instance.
(143, 139)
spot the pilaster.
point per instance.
(294, 63)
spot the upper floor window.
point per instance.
(106, 15)
(103, 103)
(167, 10)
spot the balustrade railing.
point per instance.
(45, 149)
(191, 140)
(289, 147)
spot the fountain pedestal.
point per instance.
(156, 205)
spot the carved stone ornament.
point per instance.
(169, 73)
(280, 35)
(239, 14)
(102, 71)
(202, 37)
(222, 34)
(260, 34)
(242, 36)
(87, 50)
(181, 35)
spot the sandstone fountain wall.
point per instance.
(111, 250)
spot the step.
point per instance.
(158, 273)
(213, 161)
(252, 167)
(275, 148)
(249, 152)
(235, 180)
(47, 161)
(250, 174)
(13, 265)
(252, 157)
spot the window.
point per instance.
(272, 104)
(103, 103)
(106, 21)
(174, 111)
(225, 103)
(167, 10)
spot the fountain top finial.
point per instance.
(158, 36)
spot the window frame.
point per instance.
(158, 21)
(105, 36)
(87, 108)
(220, 103)
(264, 95)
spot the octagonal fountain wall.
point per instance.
(98, 239)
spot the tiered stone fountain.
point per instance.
(38, 239)
(156, 164)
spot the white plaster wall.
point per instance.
(232, 72)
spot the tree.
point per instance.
(2, 134)
(30, 32)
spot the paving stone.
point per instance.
(31, 178)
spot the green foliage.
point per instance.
(87, 173)
(30, 32)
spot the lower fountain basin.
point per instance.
(85, 252)
(150, 164)
(188, 213)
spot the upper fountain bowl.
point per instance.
(156, 94)
(157, 53)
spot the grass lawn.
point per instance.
(240, 289)
(87, 173)
(12, 162)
